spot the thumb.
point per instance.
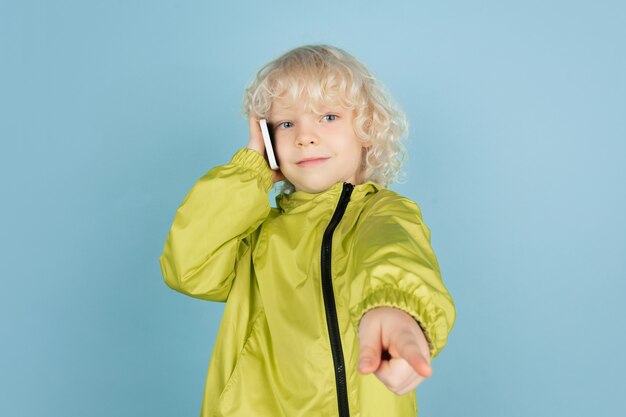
(370, 345)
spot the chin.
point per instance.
(314, 183)
(314, 188)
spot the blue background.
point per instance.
(110, 111)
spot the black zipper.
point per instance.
(329, 302)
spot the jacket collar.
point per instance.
(301, 200)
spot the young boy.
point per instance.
(334, 300)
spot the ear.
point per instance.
(364, 150)
(366, 128)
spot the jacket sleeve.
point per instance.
(396, 267)
(212, 227)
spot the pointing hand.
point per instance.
(393, 347)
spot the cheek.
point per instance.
(356, 152)
(279, 147)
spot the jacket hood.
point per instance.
(301, 200)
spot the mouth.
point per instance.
(310, 162)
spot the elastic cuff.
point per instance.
(254, 162)
(390, 296)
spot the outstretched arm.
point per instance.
(400, 304)
(393, 347)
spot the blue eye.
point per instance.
(330, 117)
(283, 124)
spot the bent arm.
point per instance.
(212, 227)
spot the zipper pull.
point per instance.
(347, 191)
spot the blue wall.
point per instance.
(110, 111)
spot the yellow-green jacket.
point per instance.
(296, 280)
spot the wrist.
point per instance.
(255, 147)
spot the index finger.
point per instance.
(408, 349)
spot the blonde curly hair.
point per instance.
(328, 75)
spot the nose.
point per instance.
(306, 137)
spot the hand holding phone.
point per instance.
(271, 156)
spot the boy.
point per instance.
(334, 300)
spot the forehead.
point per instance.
(304, 104)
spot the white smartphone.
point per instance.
(271, 156)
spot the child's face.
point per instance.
(315, 151)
